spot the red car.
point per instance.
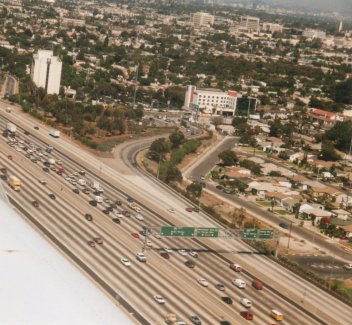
(189, 209)
(247, 315)
(135, 235)
(9, 157)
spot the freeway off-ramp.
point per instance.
(170, 278)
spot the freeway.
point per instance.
(170, 278)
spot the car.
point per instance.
(93, 203)
(168, 250)
(227, 300)
(118, 202)
(235, 267)
(182, 252)
(283, 225)
(157, 236)
(86, 191)
(26, 132)
(46, 169)
(149, 243)
(225, 322)
(164, 254)
(220, 286)
(190, 264)
(35, 203)
(99, 199)
(75, 190)
(141, 257)
(193, 254)
(27, 155)
(113, 206)
(348, 266)
(98, 240)
(34, 160)
(3, 170)
(171, 210)
(109, 208)
(53, 168)
(227, 191)
(106, 211)
(81, 182)
(195, 209)
(246, 302)
(10, 156)
(52, 196)
(82, 172)
(116, 220)
(195, 320)
(118, 215)
(202, 178)
(36, 128)
(43, 181)
(129, 199)
(139, 217)
(88, 217)
(107, 200)
(125, 262)
(247, 315)
(135, 235)
(239, 283)
(3, 177)
(59, 162)
(219, 187)
(126, 213)
(91, 243)
(159, 299)
(203, 282)
(189, 209)
(73, 181)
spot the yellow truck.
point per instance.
(14, 182)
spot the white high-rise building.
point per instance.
(211, 101)
(202, 19)
(314, 33)
(46, 71)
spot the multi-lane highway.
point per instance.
(138, 283)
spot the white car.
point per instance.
(73, 181)
(193, 254)
(149, 243)
(139, 217)
(157, 236)
(172, 210)
(159, 299)
(182, 252)
(168, 250)
(82, 182)
(246, 302)
(348, 266)
(68, 178)
(141, 257)
(203, 282)
(239, 283)
(39, 154)
(137, 209)
(119, 215)
(125, 262)
(59, 162)
(99, 199)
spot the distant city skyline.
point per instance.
(342, 6)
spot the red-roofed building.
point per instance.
(325, 117)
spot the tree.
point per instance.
(195, 189)
(340, 134)
(328, 151)
(343, 92)
(176, 138)
(157, 149)
(228, 157)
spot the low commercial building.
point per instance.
(314, 33)
(211, 101)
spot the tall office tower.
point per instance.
(202, 19)
(46, 71)
(340, 26)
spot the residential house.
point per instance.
(341, 214)
(326, 193)
(324, 117)
(308, 210)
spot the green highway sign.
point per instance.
(249, 233)
(265, 233)
(207, 232)
(177, 231)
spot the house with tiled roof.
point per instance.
(325, 117)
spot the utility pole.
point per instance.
(135, 87)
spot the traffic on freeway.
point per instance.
(82, 210)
